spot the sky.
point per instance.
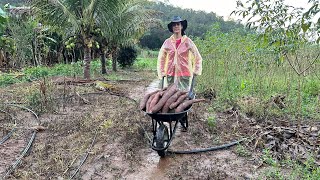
(222, 7)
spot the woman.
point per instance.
(179, 58)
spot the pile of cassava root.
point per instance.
(167, 100)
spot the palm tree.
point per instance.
(82, 16)
(126, 26)
(131, 22)
(102, 50)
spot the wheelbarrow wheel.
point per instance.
(162, 137)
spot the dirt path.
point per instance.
(130, 157)
(121, 149)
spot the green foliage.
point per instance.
(311, 88)
(39, 72)
(13, 2)
(288, 169)
(268, 159)
(120, 22)
(242, 151)
(239, 64)
(212, 121)
(274, 173)
(292, 35)
(282, 24)
(41, 97)
(6, 42)
(199, 23)
(148, 53)
(146, 64)
(6, 79)
(3, 21)
(28, 42)
(127, 56)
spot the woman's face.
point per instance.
(177, 27)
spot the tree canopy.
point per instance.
(13, 2)
(199, 22)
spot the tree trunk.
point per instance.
(114, 63)
(114, 60)
(86, 61)
(103, 62)
(59, 56)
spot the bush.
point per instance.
(127, 56)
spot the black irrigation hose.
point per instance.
(6, 137)
(22, 107)
(26, 149)
(86, 156)
(95, 136)
(224, 146)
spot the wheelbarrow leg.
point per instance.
(184, 123)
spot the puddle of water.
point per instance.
(157, 166)
(153, 167)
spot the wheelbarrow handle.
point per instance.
(162, 82)
(191, 93)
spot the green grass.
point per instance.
(242, 151)
(148, 54)
(289, 169)
(34, 73)
(146, 64)
(238, 66)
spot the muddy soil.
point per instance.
(119, 132)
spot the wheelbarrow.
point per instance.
(162, 135)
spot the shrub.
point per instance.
(127, 56)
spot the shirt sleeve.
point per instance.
(162, 61)
(197, 64)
